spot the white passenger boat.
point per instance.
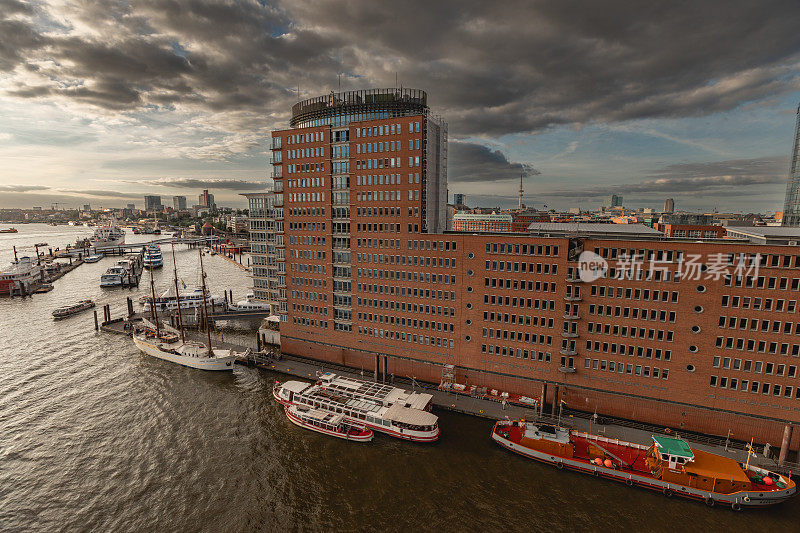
(393, 418)
(327, 423)
(189, 298)
(153, 257)
(93, 258)
(115, 276)
(69, 310)
(108, 235)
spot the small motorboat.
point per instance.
(93, 258)
(9, 230)
(69, 310)
(45, 287)
(327, 423)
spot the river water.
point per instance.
(95, 436)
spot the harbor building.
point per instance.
(694, 334)
(689, 225)
(791, 207)
(482, 222)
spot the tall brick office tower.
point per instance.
(358, 174)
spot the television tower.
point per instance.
(521, 191)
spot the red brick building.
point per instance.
(687, 226)
(690, 335)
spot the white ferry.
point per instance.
(190, 299)
(250, 304)
(115, 276)
(108, 235)
(395, 419)
(327, 423)
(20, 275)
(153, 257)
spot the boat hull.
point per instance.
(736, 500)
(201, 363)
(344, 436)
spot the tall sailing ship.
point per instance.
(172, 346)
(668, 464)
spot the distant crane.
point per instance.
(55, 206)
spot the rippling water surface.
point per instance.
(96, 436)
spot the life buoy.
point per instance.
(667, 430)
(746, 499)
(629, 482)
(709, 502)
(667, 492)
(560, 465)
(736, 506)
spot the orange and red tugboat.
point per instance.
(668, 465)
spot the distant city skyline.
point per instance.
(103, 106)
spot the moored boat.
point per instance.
(668, 465)
(43, 288)
(169, 347)
(8, 230)
(108, 235)
(153, 257)
(20, 276)
(69, 310)
(363, 407)
(327, 423)
(93, 258)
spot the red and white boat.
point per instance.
(20, 276)
(395, 419)
(668, 465)
(327, 423)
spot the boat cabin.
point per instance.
(673, 451)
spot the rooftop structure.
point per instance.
(791, 208)
(589, 229)
(777, 235)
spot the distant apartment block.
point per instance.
(179, 203)
(152, 203)
(494, 222)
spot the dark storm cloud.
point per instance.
(469, 162)
(718, 178)
(490, 68)
(202, 183)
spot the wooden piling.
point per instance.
(96, 325)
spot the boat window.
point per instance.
(665, 457)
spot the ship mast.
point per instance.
(153, 313)
(177, 293)
(205, 309)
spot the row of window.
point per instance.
(412, 307)
(313, 136)
(297, 153)
(751, 345)
(512, 318)
(767, 326)
(301, 267)
(519, 353)
(635, 313)
(762, 282)
(308, 212)
(306, 197)
(375, 227)
(384, 196)
(310, 309)
(385, 146)
(433, 262)
(627, 293)
(309, 295)
(417, 323)
(755, 387)
(518, 336)
(626, 368)
(759, 304)
(313, 322)
(629, 349)
(503, 283)
(521, 249)
(305, 167)
(524, 303)
(307, 240)
(386, 129)
(381, 162)
(385, 179)
(407, 337)
(305, 182)
(515, 266)
(748, 365)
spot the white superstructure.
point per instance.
(108, 235)
(190, 299)
(192, 354)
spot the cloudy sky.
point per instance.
(103, 101)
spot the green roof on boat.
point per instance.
(673, 446)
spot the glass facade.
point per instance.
(791, 208)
